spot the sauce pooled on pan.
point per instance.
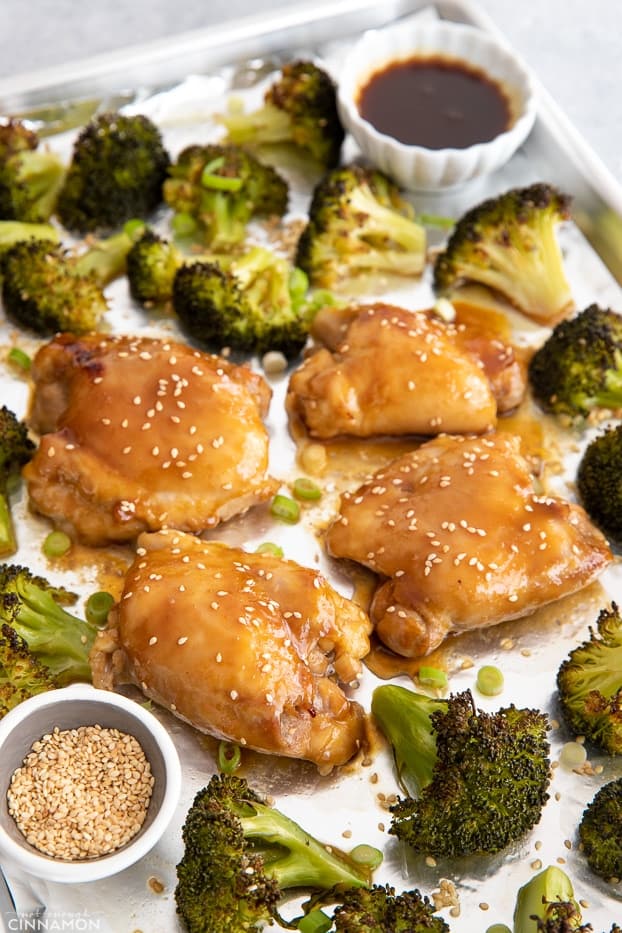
(435, 102)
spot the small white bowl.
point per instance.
(416, 167)
(69, 708)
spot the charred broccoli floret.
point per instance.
(254, 303)
(299, 108)
(579, 367)
(30, 177)
(546, 904)
(31, 606)
(21, 674)
(481, 778)
(48, 289)
(380, 910)
(220, 188)
(599, 482)
(117, 170)
(600, 831)
(509, 244)
(16, 449)
(359, 223)
(16, 231)
(589, 683)
(241, 855)
(151, 266)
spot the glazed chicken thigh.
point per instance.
(387, 370)
(460, 540)
(142, 433)
(246, 647)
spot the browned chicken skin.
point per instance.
(461, 540)
(142, 433)
(387, 370)
(240, 645)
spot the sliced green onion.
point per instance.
(56, 544)
(315, 922)
(229, 757)
(209, 178)
(435, 220)
(432, 677)
(134, 227)
(183, 224)
(269, 547)
(98, 605)
(573, 755)
(285, 509)
(490, 680)
(366, 855)
(305, 488)
(498, 928)
(19, 358)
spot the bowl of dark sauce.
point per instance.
(435, 103)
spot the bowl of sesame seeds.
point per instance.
(90, 781)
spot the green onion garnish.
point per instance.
(366, 855)
(489, 680)
(432, 677)
(229, 757)
(304, 488)
(98, 605)
(285, 509)
(19, 358)
(315, 922)
(269, 547)
(56, 544)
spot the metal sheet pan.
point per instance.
(180, 83)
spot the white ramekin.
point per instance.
(415, 167)
(69, 708)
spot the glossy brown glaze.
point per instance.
(435, 102)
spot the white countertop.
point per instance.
(573, 46)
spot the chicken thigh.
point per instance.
(246, 647)
(461, 540)
(387, 370)
(142, 433)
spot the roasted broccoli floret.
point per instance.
(509, 243)
(151, 266)
(31, 606)
(254, 303)
(241, 855)
(599, 482)
(30, 177)
(16, 449)
(579, 367)
(481, 778)
(546, 904)
(380, 910)
(21, 674)
(589, 683)
(359, 223)
(48, 289)
(600, 831)
(219, 189)
(299, 108)
(117, 170)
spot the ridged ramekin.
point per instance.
(416, 167)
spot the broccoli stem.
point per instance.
(404, 717)
(8, 543)
(105, 260)
(535, 899)
(13, 231)
(43, 174)
(294, 858)
(267, 125)
(381, 223)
